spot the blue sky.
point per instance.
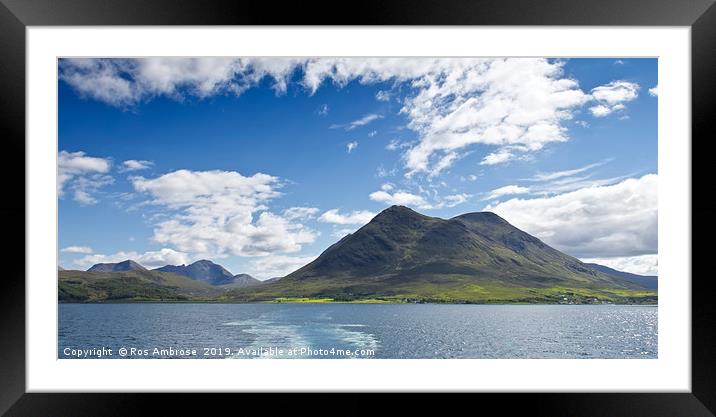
(260, 164)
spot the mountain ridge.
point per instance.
(127, 265)
(473, 257)
(405, 256)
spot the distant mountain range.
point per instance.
(212, 273)
(646, 281)
(203, 270)
(404, 256)
(123, 266)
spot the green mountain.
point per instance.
(399, 256)
(402, 255)
(132, 285)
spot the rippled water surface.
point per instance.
(356, 330)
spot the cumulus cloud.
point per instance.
(401, 198)
(499, 157)
(277, 265)
(150, 259)
(334, 216)
(641, 265)
(517, 105)
(594, 222)
(498, 102)
(77, 249)
(126, 82)
(612, 96)
(221, 213)
(136, 165)
(506, 190)
(654, 91)
(351, 146)
(82, 175)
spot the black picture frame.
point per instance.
(16, 15)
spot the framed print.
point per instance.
(453, 200)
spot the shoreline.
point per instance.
(351, 302)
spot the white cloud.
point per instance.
(77, 249)
(300, 213)
(549, 176)
(567, 184)
(612, 96)
(164, 256)
(582, 123)
(382, 172)
(351, 146)
(518, 105)
(457, 102)
(372, 133)
(506, 190)
(654, 91)
(323, 110)
(126, 82)
(273, 266)
(136, 165)
(82, 175)
(395, 145)
(368, 118)
(382, 95)
(641, 265)
(221, 213)
(400, 198)
(453, 200)
(499, 157)
(151, 259)
(498, 102)
(599, 221)
(600, 110)
(390, 196)
(355, 217)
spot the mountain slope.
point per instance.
(241, 281)
(203, 270)
(133, 285)
(127, 265)
(475, 257)
(646, 281)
